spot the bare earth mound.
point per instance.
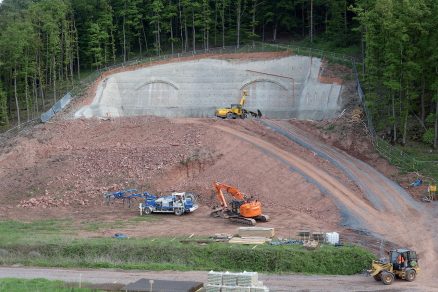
(78, 160)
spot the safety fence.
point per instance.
(406, 162)
(397, 157)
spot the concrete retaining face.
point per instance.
(280, 88)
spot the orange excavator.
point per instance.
(241, 209)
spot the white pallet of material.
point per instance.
(213, 288)
(247, 279)
(214, 278)
(229, 279)
(235, 289)
(228, 289)
(259, 289)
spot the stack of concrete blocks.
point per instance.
(214, 282)
(234, 282)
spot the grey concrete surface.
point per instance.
(196, 88)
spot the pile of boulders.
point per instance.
(49, 201)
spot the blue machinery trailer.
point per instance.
(177, 203)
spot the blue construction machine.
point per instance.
(177, 203)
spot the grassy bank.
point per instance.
(42, 244)
(168, 254)
(35, 285)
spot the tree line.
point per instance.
(45, 45)
(401, 67)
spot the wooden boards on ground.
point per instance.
(256, 232)
(249, 240)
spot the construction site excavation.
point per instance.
(249, 148)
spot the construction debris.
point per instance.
(246, 281)
(287, 242)
(318, 236)
(304, 234)
(48, 201)
(356, 115)
(256, 232)
(221, 237)
(249, 240)
(310, 244)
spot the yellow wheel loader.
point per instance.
(237, 110)
(402, 264)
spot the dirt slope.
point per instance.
(60, 170)
(393, 214)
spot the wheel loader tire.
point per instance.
(230, 116)
(410, 275)
(179, 211)
(147, 211)
(387, 278)
(377, 278)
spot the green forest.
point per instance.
(45, 46)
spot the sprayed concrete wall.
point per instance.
(280, 88)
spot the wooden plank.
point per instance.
(256, 232)
(249, 240)
(304, 233)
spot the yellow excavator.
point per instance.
(237, 110)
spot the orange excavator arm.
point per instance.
(234, 192)
(219, 195)
(248, 210)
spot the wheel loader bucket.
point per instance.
(377, 267)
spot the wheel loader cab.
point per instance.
(403, 258)
(236, 109)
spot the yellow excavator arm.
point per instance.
(243, 99)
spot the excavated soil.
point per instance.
(62, 169)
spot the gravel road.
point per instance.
(289, 282)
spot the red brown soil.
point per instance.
(71, 163)
(61, 170)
